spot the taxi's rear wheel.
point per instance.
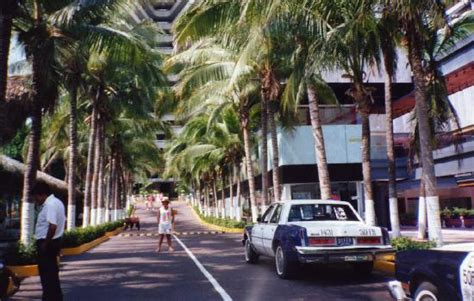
(284, 268)
(363, 268)
(250, 255)
(426, 291)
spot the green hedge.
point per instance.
(19, 254)
(80, 236)
(223, 222)
(405, 243)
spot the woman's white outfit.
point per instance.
(165, 226)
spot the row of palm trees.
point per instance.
(96, 77)
(259, 59)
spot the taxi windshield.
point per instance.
(321, 212)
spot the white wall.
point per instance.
(463, 103)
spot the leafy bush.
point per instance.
(446, 213)
(223, 222)
(20, 254)
(79, 236)
(405, 243)
(470, 213)
(457, 212)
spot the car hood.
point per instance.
(331, 228)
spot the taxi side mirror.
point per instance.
(259, 219)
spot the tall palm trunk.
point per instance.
(275, 153)
(426, 154)
(71, 207)
(90, 163)
(108, 193)
(231, 193)
(32, 159)
(224, 207)
(238, 215)
(101, 175)
(366, 171)
(214, 196)
(264, 158)
(244, 119)
(422, 212)
(319, 147)
(6, 19)
(392, 188)
(95, 176)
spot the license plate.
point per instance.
(344, 241)
(357, 258)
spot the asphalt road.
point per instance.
(127, 268)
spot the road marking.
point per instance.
(203, 270)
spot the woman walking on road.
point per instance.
(165, 224)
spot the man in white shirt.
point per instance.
(48, 233)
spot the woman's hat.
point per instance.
(165, 200)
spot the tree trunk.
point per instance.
(101, 175)
(264, 158)
(32, 159)
(275, 154)
(214, 195)
(231, 192)
(244, 119)
(95, 176)
(319, 147)
(392, 180)
(224, 214)
(90, 163)
(366, 171)
(71, 207)
(16, 167)
(426, 155)
(238, 212)
(5, 37)
(422, 212)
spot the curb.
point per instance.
(385, 263)
(216, 227)
(84, 247)
(23, 271)
(115, 232)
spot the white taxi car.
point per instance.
(314, 231)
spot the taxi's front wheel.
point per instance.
(284, 268)
(250, 255)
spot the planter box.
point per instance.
(84, 248)
(22, 271)
(469, 222)
(453, 222)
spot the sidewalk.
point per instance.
(450, 236)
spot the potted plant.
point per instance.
(408, 219)
(454, 221)
(469, 218)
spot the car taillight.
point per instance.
(322, 241)
(368, 240)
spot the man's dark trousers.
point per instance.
(49, 270)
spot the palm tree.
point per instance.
(40, 43)
(387, 27)
(353, 45)
(420, 21)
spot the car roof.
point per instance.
(315, 201)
